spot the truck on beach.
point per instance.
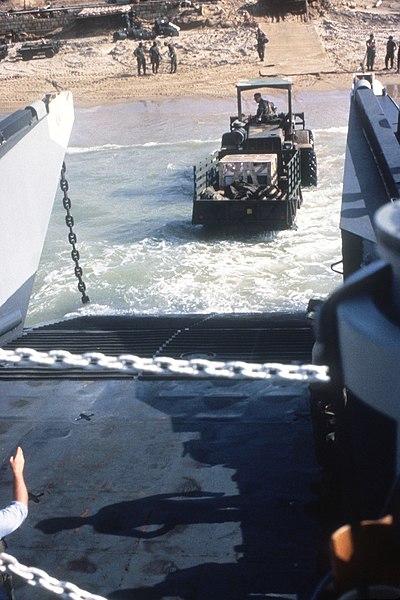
(257, 175)
(43, 49)
(135, 31)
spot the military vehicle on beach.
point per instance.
(35, 49)
(256, 177)
(135, 31)
(164, 27)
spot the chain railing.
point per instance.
(165, 366)
(37, 577)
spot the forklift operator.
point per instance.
(266, 109)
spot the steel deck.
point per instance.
(197, 490)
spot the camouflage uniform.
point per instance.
(371, 52)
(261, 41)
(141, 59)
(172, 57)
(155, 57)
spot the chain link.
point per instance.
(37, 577)
(165, 366)
(69, 219)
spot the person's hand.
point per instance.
(17, 462)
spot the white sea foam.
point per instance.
(107, 147)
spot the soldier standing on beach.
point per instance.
(261, 41)
(172, 57)
(371, 52)
(155, 57)
(140, 58)
(390, 49)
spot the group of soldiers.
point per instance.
(155, 58)
(370, 54)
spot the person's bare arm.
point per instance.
(17, 464)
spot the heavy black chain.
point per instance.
(72, 235)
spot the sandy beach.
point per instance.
(319, 54)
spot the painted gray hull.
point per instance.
(33, 144)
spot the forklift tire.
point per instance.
(309, 176)
(49, 53)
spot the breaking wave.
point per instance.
(115, 147)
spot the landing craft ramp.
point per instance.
(287, 41)
(258, 338)
(185, 489)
